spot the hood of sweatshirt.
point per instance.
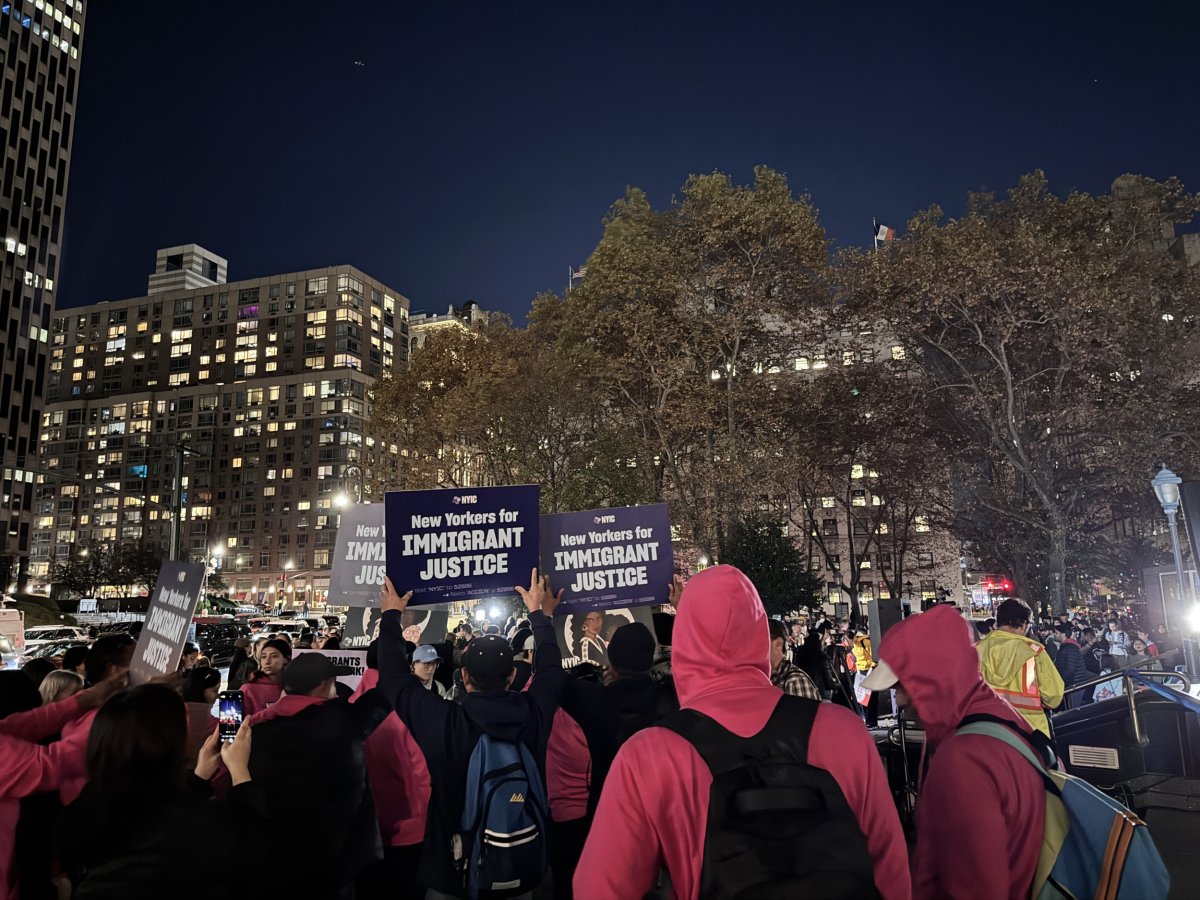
(936, 663)
(502, 714)
(721, 641)
(1002, 654)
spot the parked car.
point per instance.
(216, 640)
(131, 628)
(51, 649)
(44, 634)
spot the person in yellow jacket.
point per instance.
(1018, 668)
(863, 664)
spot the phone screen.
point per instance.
(230, 710)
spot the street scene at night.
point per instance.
(602, 451)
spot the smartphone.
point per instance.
(230, 711)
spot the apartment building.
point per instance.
(236, 409)
(40, 47)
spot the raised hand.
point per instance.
(390, 598)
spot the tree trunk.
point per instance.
(1058, 570)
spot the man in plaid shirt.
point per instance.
(784, 675)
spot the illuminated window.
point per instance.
(317, 286)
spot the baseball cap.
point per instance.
(490, 656)
(880, 678)
(306, 671)
(425, 654)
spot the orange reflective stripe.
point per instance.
(1021, 701)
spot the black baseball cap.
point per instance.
(488, 657)
(306, 672)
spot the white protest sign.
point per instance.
(349, 666)
(168, 619)
(358, 557)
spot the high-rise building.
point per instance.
(40, 46)
(238, 410)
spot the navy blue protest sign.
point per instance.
(609, 558)
(461, 543)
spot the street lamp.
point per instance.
(1166, 489)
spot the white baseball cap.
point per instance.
(880, 678)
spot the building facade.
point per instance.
(237, 409)
(40, 47)
(422, 325)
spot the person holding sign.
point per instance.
(448, 733)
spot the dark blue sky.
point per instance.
(469, 150)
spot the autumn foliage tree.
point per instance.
(1051, 337)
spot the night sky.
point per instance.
(469, 150)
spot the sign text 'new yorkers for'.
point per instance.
(461, 543)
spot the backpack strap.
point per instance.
(1003, 734)
(786, 733)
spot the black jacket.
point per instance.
(313, 777)
(448, 732)
(1070, 664)
(608, 715)
(181, 844)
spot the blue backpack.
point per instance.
(1092, 846)
(504, 819)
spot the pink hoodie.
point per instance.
(982, 806)
(568, 769)
(654, 808)
(258, 693)
(27, 768)
(398, 776)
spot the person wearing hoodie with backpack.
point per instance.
(655, 807)
(448, 733)
(981, 811)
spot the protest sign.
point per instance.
(358, 557)
(348, 665)
(461, 543)
(609, 558)
(583, 636)
(160, 645)
(423, 625)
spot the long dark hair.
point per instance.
(198, 680)
(137, 747)
(106, 652)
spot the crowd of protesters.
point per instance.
(622, 778)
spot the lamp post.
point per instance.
(358, 484)
(1166, 489)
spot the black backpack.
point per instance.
(777, 827)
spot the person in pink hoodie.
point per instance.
(982, 806)
(27, 768)
(265, 686)
(399, 780)
(654, 807)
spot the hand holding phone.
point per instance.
(231, 709)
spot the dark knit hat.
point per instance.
(306, 672)
(281, 645)
(631, 650)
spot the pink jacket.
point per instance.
(27, 768)
(74, 747)
(982, 808)
(398, 776)
(654, 808)
(258, 693)
(568, 766)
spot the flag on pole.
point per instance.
(883, 232)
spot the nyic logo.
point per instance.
(605, 520)
(466, 499)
